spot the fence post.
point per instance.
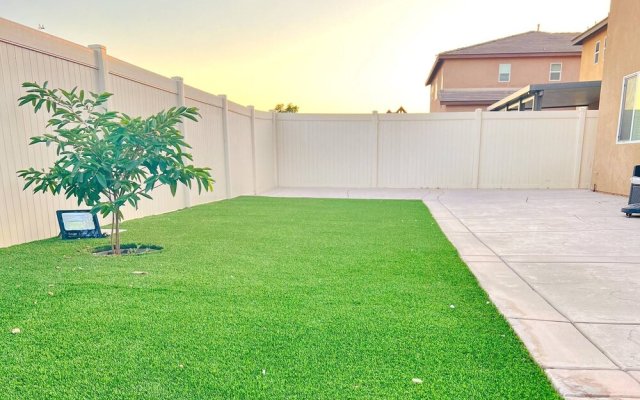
(376, 155)
(580, 131)
(186, 193)
(478, 149)
(274, 128)
(102, 64)
(225, 136)
(252, 112)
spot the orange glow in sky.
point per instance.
(346, 56)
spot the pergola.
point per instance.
(538, 97)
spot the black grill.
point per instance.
(634, 193)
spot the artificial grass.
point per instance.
(259, 298)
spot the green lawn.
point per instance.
(259, 298)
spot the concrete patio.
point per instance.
(563, 266)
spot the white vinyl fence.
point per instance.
(545, 149)
(251, 152)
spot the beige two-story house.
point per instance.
(477, 76)
(618, 140)
(594, 51)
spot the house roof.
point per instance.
(528, 44)
(578, 40)
(473, 96)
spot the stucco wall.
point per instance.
(589, 71)
(462, 108)
(483, 73)
(614, 162)
(436, 85)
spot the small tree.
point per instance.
(289, 108)
(107, 159)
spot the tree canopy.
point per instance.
(289, 108)
(107, 159)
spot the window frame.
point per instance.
(558, 72)
(500, 73)
(596, 53)
(622, 99)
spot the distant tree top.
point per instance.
(400, 110)
(289, 108)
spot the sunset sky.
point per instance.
(347, 56)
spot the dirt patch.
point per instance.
(127, 249)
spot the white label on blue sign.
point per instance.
(78, 221)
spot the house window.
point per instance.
(504, 73)
(555, 72)
(629, 123)
(596, 53)
(604, 48)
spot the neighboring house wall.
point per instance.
(614, 162)
(462, 108)
(482, 73)
(435, 87)
(589, 70)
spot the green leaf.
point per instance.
(101, 180)
(173, 186)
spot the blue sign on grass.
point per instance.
(78, 224)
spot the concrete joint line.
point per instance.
(540, 319)
(582, 369)
(553, 306)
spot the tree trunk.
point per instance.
(113, 225)
(116, 246)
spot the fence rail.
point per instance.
(251, 151)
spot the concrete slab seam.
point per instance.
(608, 356)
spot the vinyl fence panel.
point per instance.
(326, 150)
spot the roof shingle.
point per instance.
(579, 40)
(528, 42)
